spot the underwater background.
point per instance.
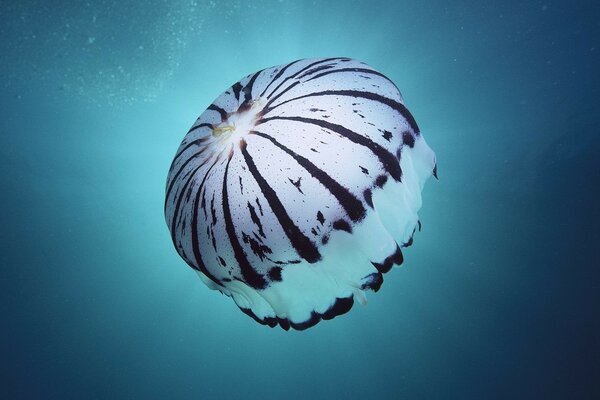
(497, 298)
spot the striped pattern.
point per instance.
(281, 160)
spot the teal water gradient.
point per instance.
(497, 297)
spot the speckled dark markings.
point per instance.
(364, 170)
(387, 135)
(250, 275)
(278, 262)
(389, 161)
(297, 183)
(256, 220)
(222, 262)
(381, 180)
(260, 210)
(195, 243)
(241, 184)
(259, 249)
(358, 94)
(342, 225)
(218, 109)
(302, 244)
(408, 139)
(320, 217)
(347, 200)
(275, 274)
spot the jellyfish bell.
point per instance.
(297, 188)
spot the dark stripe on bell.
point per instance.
(190, 144)
(195, 242)
(268, 105)
(181, 194)
(364, 95)
(295, 74)
(174, 179)
(353, 206)
(389, 161)
(315, 70)
(277, 76)
(251, 277)
(303, 245)
(237, 87)
(362, 70)
(218, 109)
(248, 88)
(202, 125)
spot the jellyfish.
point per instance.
(297, 189)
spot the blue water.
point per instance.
(498, 297)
